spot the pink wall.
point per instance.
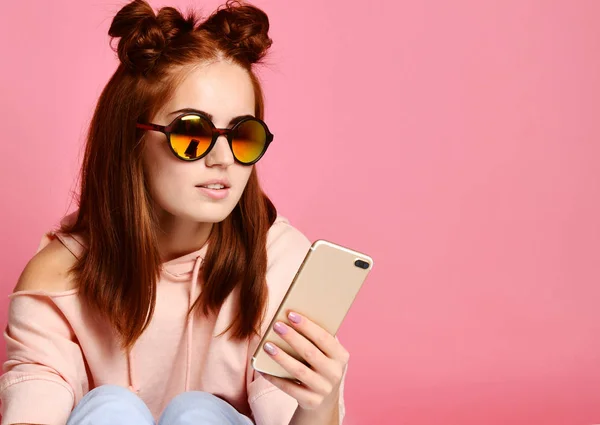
(456, 142)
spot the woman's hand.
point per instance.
(321, 350)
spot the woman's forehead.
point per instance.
(222, 89)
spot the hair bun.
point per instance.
(144, 35)
(173, 24)
(243, 27)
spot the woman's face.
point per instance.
(223, 90)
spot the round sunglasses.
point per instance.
(192, 135)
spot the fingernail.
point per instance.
(280, 328)
(295, 318)
(270, 348)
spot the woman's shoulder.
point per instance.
(285, 238)
(48, 271)
(286, 248)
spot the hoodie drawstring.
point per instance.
(190, 325)
(130, 367)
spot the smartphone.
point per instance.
(322, 290)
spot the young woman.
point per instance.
(147, 303)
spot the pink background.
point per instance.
(455, 142)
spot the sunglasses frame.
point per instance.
(216, 133)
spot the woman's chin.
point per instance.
(211, 213)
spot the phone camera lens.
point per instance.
(361, 264)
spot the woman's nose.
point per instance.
(220, 154)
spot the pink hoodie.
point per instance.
(56, 353)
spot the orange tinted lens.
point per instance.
(191, 137)
(249, 141)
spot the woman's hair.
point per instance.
(118, 272)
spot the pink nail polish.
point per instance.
(270, 348)
(280, 328)
(294, 318)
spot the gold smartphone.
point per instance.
(323, 290)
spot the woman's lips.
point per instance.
(214, 193)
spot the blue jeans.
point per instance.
(115, 405)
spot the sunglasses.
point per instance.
(191, 136)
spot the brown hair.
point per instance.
(117, 274)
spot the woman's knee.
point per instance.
(112, 392)
(110, 404)
(195, 407)
(199, 398)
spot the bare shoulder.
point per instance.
(48, 270)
